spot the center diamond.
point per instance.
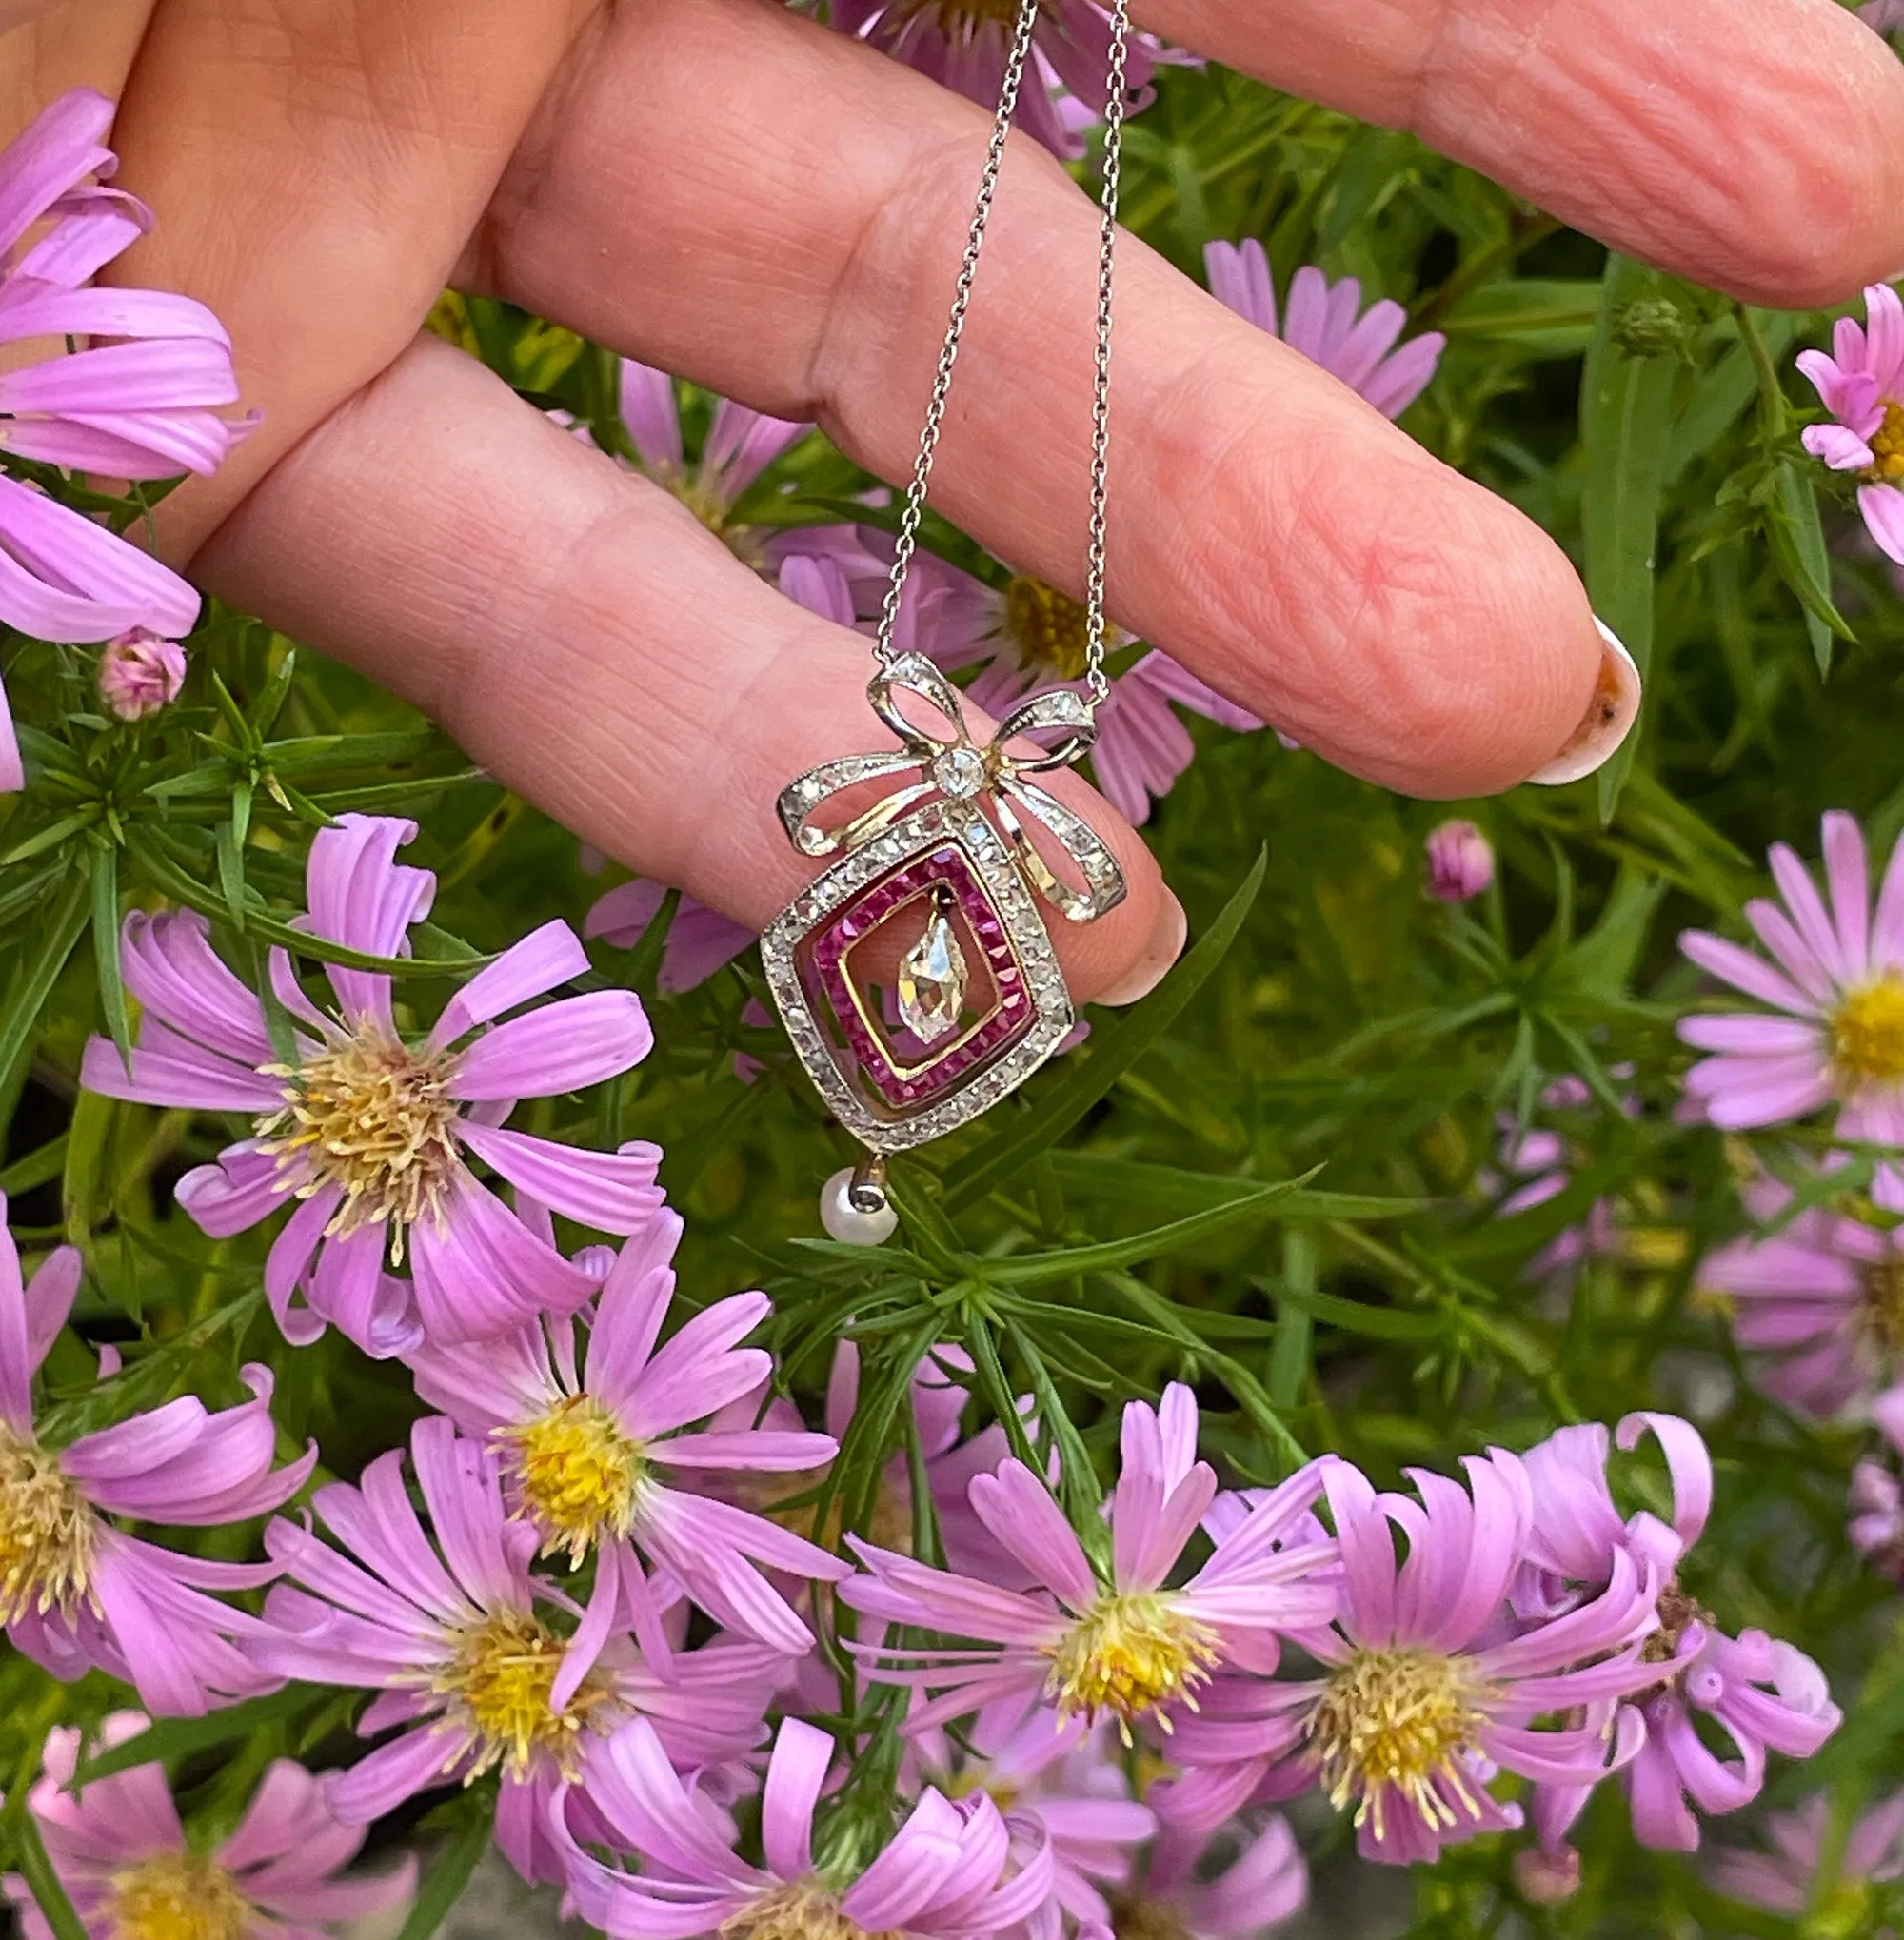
(932, 978)
(960, 772)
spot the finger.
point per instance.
(589, 642)
(1748, 143)
(689, 196)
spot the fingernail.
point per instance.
(1166, 945)
(1608, 720)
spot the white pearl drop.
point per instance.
(845, 1221)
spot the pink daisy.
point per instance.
(949, 1872)
(1326, 322)
(452, 1635)
(1838, 980)
(138, 399)
(121, 1855)
(1876, 1527)
(368, 1129)
(1234, 1886)
(1861, 384)
(1427, 1689)
(1783, 1880)
(76, 1591)
(593, 1433)
(1097, 1640)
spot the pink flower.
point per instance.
(1863, 387)
(1461, 861)
(962, 45)
(740, 445)
(699, 941)
(367, 1130)
(1822, 1300)
(1781, 1881)
(1758, 1694)
(1540, 1164)
(141, 404)
(1326, 323)
(1261, 1880)
(594, 1458)
(452, 1635)
(75, 1591)
(121, 1854)
(946, 1874)
(1099, 1638)
(1839, 980)
(1427, 1689)
(140, 673)
(1877, 1495)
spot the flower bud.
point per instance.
(1461, 861)
(139, 673)
(1547, 1878)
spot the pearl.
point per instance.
(845, 1221)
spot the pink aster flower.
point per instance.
(699, 941)
(370, 1131)
(1326, 322)
(1540, 1163)
(1097, 1640)
(452, 1633)
(138, 400)
(962, 45)
(1782, 1880)
(1837, 980)
(1761, 1694)
(950, 1872)
(1861, 384)
(75, 1591)
(1459, 859)
(121, 1855)
(595, 1441)
(1233, 1887)
(1822, 1300)
(1883, 17)
(1877, 1494)
(1428, 1691)
(140, 673)
(740, 445)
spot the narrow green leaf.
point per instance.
(1357, 1317)
(106, 952)
(175, 1737)
(443, 1885)
(276, 690)
(1289, 1358)
(34, 980)
(1535, 315)
(82, 1201)
(1798, 549)
(36, 1868)
(1137, 1185)
(52, 836)
(35, 1168)
(1113, 1049)
(1626, 425)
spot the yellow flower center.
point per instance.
(500, 1687)
(577, 1474)
(1883, 1282)
(1131, 1653)
(1887, 446)
(1048, 629)
(1397, 1721)
(373, 1117)
(1137, 1919)
(961, 20)
(46, 1532)
(1868, 1032)
(177, 1897)
(802, 1911)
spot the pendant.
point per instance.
(938, 887)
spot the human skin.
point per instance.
(727, 191)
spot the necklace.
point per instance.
(944, 869)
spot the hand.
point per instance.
(727, 191)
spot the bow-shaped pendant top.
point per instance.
(959, 769)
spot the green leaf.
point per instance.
(1354, 1316)
(1626, 424)
(442, 1886)
(175, 1737)
(1113, 1049)
(44, 1883)
(1137, 1185)
(1798, 549)
(33, 982)
(106, 952)
(1535, 315)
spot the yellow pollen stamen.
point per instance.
(1676, 1613)
(1868, 1032)
(1887, 446)
(1131, 1653)
(500, 1686)
(1398, 1721)
(374, 1116)
(1048, 629)
(47, 1533)
(177, 1897)
(577, 1474)
(1142, 1919)
(1883, 1282)
(802, 1911)
(961, 21)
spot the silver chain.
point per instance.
(906, 544)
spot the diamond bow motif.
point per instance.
(959, 769)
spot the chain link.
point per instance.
(1017, 58)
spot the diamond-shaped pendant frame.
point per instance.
(882, 1126)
